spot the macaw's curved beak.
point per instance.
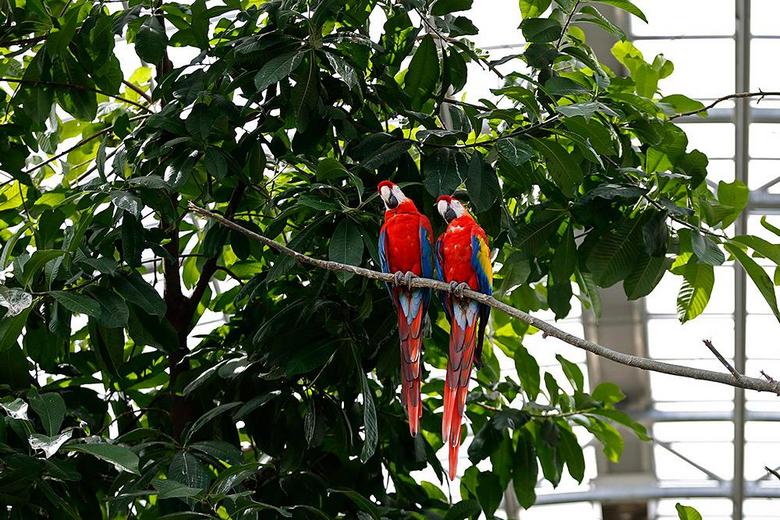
(392, 202)
(450, 215)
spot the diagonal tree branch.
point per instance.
(750, 383)
(739, 95)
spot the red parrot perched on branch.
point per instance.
(406, 249)
(463, 260)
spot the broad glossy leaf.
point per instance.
(277, 68)
(758, 275)
(687, 512)
(541, 30)
(444, 170)
(77, 303)
(122, 458)
(612, 258)
(695, 290)
(151, 40)
(564, 170)
(645, 276)
(50, 408)
(423, 74)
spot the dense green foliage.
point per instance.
(285, 121)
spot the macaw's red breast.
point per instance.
(402, 225)
(456, 251)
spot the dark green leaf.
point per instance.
(151, 40)
(276, 69)
(122, 458)
(50, 408)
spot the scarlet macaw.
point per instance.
(463, 260)
(406, 249)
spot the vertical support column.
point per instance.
(742, 127)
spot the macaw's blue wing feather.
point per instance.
(480, 260)
(443, 297)
(383, 263)
(426, 263)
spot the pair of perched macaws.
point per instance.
(462, 259)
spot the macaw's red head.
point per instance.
(391, 194)
(450, 208)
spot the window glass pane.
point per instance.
(497, 21)
(764, 139)
(759, 328)
(720, 170)
(665, 387)
(762, 172)
(764, 16)
(670, 466)
(672, 17)
(694, 431)
(715, 140)
(668, 339)
(693, 60)
(762, 77)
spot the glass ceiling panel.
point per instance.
(676, 18)
(694, 60)
(764, 18)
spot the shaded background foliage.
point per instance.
(284, 122)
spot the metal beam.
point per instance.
(635, 492)
(742, 121)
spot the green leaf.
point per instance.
(346, 246)
(463, 510)
(734, 196)
(482, 184)
(695, 290)
(533, 8)
(77, 303)
(757, 274)
(444, 170)
(369, 412)
(525, 469)
(14, 300)
(50, 408)
(36, 262)
(186, 468)
(11, 329)
(763, 247)
(706, 250)
(572, 372)
(135, 289)
(442, 7)
(613, 256)
(423, 74)
(360, 501)
(626, 6)
(122, 458)
(528, 371)
(571, 452)
(564, 170)
(151, 40)
(515, 151)
(687, 512)
(49, 444)
(610, 438)
(683, 104)
(173, 489)
(592, 15)
(609, 393)
(540, 30)
(204, 419)
(276, 69)
(645, 276)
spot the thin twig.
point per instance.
(709, 345)
(738, 95)
(772, 471)
(642, 363)
(135, 88)
(56, 84)
(566, 25)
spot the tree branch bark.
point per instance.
(749, 383)
(73, 86)
(738, 95)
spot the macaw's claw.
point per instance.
(460, 288)
(408, 276)
(398, 278)
(453, 287)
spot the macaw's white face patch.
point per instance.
(442, 207)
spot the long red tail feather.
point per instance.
(459, 365)
(411, 361)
